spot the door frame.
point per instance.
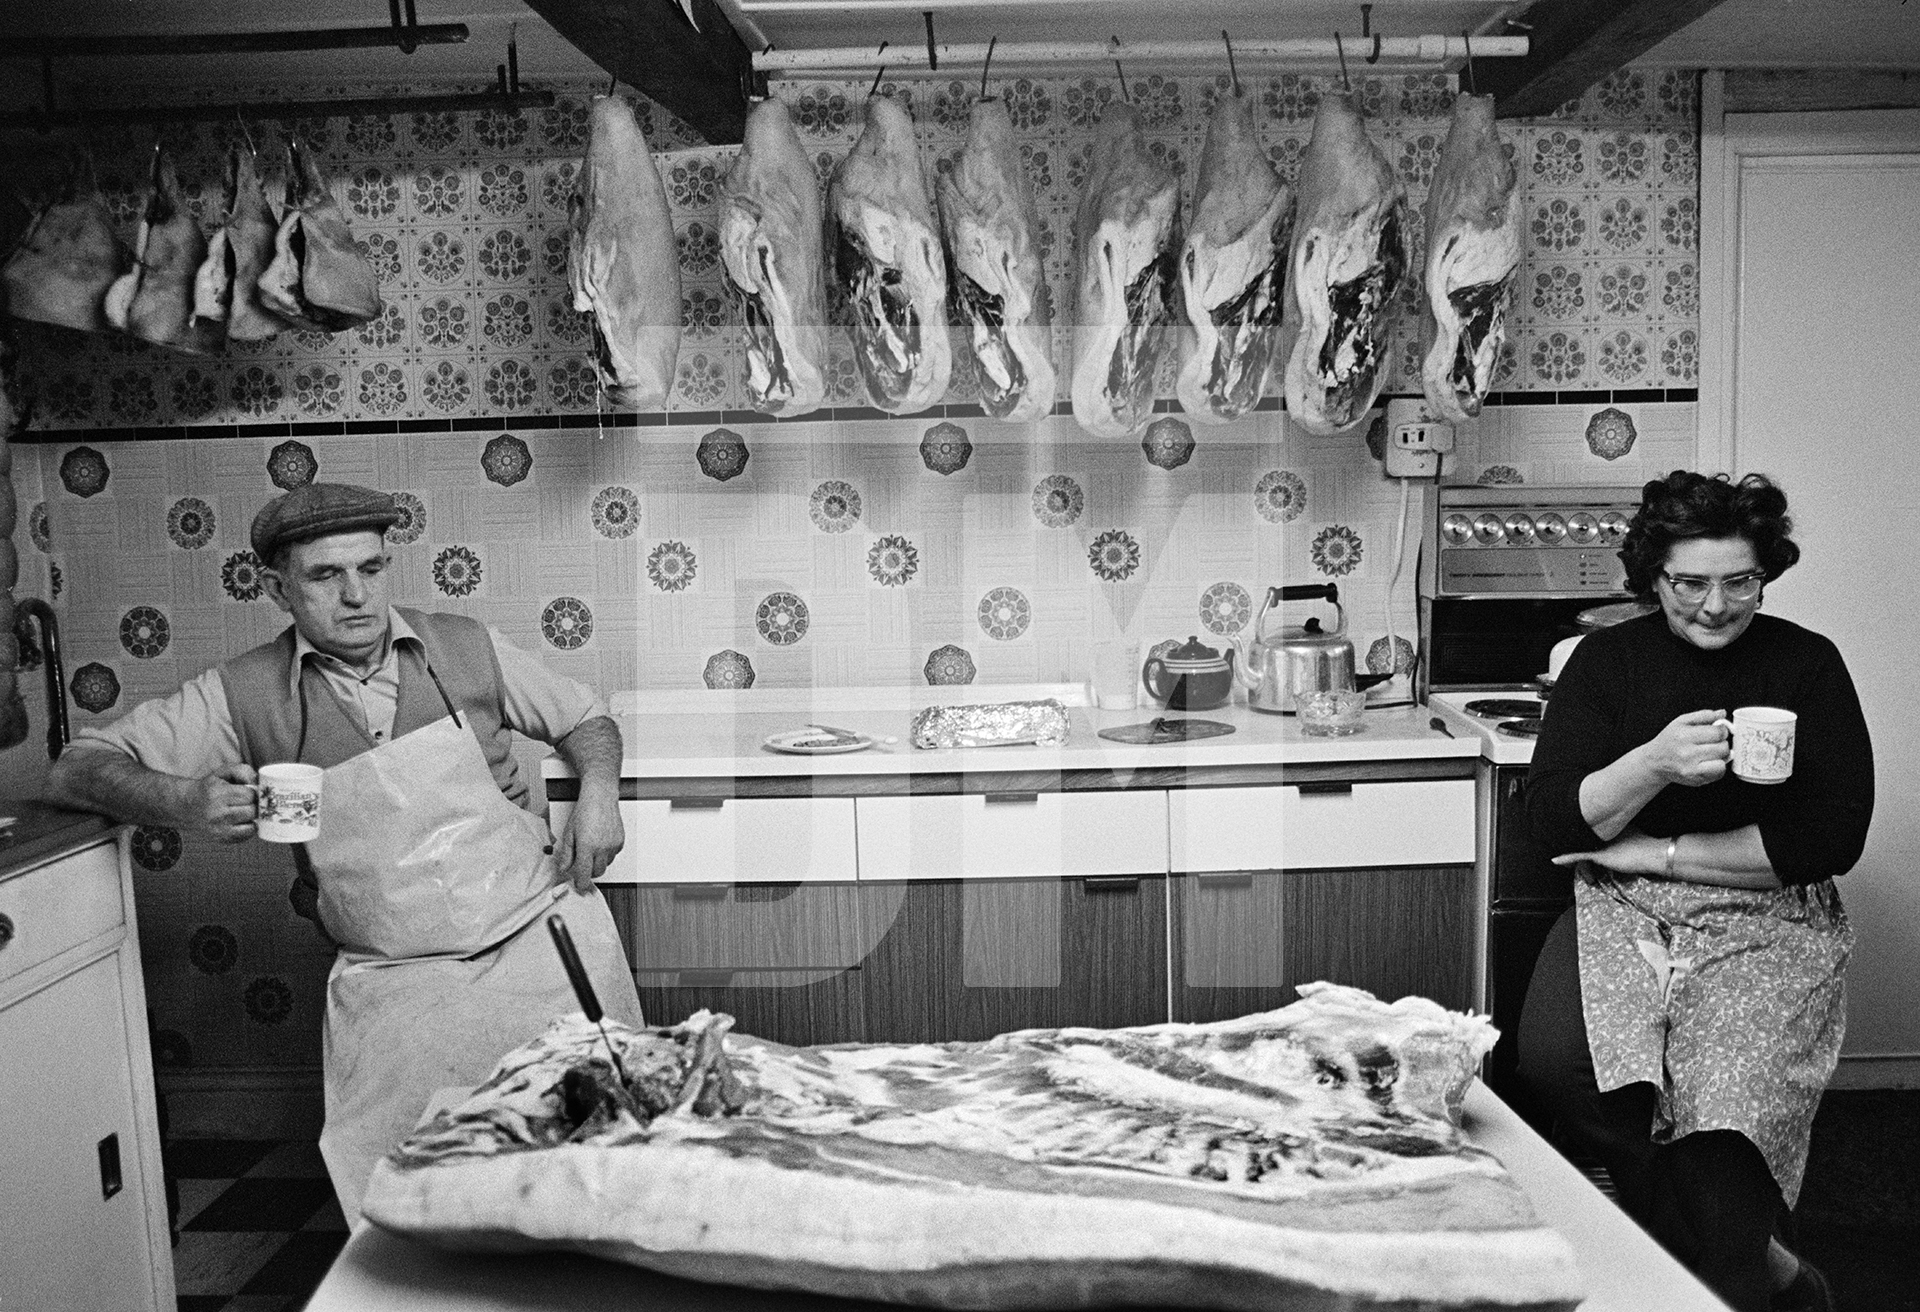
(1728, 144)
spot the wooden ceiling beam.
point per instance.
(701, 75)
(1576, 43)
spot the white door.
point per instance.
(1811, 374)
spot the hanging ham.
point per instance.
(246, 244)
(622, 263)
(1233, 270)
(154, 300)
(771, 243)
(1349, 257)
(69, 257)
(318, 278)
(888, 260)
(1127, 244)
(1473, 256)
(991, 226)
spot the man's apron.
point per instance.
(433, 883)
(1730, 1002)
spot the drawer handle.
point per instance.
(110, 1179)
(1327, 788)
(1112, 883)
(695, 803)
(1227, 879)
(701, 892)
(704, 979)
(1011, 799)
(6, 929)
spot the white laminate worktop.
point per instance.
(696, 735)
(1624, 1269)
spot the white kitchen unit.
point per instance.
(83, 1216)
(897, 895)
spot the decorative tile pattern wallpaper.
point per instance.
(464, 217)
(752, 555)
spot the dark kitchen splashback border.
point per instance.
(706, 418)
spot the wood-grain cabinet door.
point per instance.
(968, 959)
(781, 959)
(1243, 940)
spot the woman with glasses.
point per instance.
(1686, 1013)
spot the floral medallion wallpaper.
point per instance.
(732, 553)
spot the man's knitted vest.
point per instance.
(461, 653)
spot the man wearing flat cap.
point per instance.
(429, 870)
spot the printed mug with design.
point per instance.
(1762, 743)
(289, 803)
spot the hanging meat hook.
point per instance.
(1473, 86)
(874, 90)
(1366, 30)
(1340, 48)
(986, 64)
(1232, 71)
(933, 56)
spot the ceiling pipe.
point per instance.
(1400, 51)
(284, 109)
(233, 43)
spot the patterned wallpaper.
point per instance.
(712, 548)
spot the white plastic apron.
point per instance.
(1730, 1002)
(433, 883)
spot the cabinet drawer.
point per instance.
(55, 907)
(1290, 827)
(741, 927)
(1013, 835)
(732, 840)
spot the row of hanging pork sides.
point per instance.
(1269, 281)
(260, 274)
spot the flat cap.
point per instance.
(318, 509)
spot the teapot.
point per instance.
(1190, 677)
(1280, 666)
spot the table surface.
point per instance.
(1625, 1271)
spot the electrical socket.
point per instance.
(1416, 441)
(1406, 462)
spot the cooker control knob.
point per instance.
(1582, 527)
(1489, 529)
(1456, 530)
(1550, 528)
(1613, 526)
(1520, 528)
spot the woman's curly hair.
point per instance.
(1689, 505)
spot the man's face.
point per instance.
(335, 588)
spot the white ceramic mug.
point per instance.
(1762, 743)
(289, 805)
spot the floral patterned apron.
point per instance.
(434, 884)
(1730, 1002)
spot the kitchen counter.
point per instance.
(1624, 1269)
(711, 736)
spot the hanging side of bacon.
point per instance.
(154, 300)
(1233, 271)
(1473, 257)
(318, 278)
(246, 243)
(1127, 244)
(69, 257)
(1350, 253)
(771, 243)
(622, 263)
(991, 225)
(887, 257)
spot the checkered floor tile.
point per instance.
(258, 1224)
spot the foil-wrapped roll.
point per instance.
(995, 724)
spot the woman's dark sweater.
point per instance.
(1624, 684)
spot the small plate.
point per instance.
(814, 742)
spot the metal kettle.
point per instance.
(1281, 666)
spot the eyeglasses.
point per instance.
(1692, 589)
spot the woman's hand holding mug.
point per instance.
(1692, 750)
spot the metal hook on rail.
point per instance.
(508, 74)
(407, 42)
(1366, 30)
(1231, 70)
(1120, 72)
(933, 55)
(874, 90)
(1340, 48)
(1473, 86)
(987, 63)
